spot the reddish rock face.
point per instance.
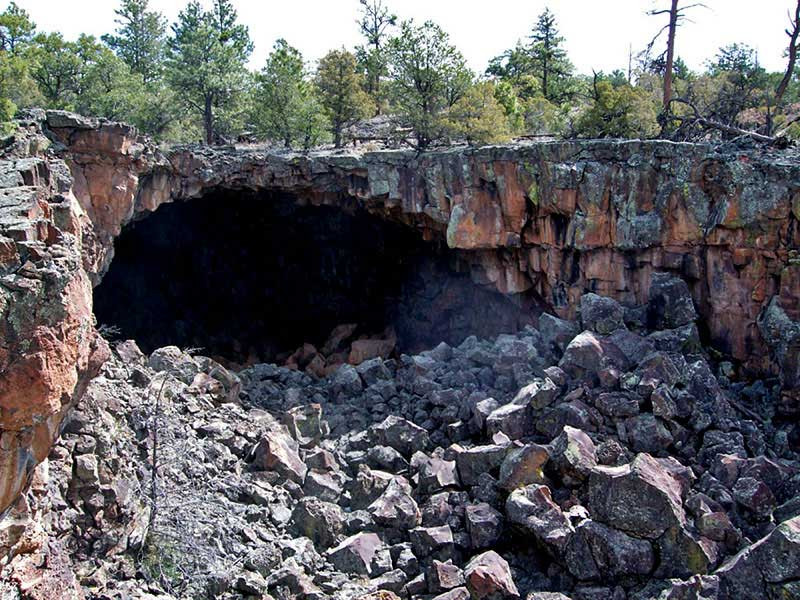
(558, 219)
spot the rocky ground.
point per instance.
(605, 459)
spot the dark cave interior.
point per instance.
(250, 277)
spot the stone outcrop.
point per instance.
(556, 219)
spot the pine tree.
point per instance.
(207, 57)
(549, 59)
(429, 76)
(16, 28)
(139, 39)
(340, 87)
(375, 24)
(286, 108)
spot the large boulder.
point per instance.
(533, 511)
(489, 578)
(643, 498)
(278, 452)
(670, 303)
(767, 569)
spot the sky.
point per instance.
(598, 33)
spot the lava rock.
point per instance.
(489, 577)
(532, 510)
(484, 525)
(278, 452)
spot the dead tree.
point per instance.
(677, 14)
(793, 32)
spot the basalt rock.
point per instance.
(551, 220)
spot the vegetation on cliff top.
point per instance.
(190, 81)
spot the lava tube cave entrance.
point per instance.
(251, 277)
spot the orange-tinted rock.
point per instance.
(549, 221)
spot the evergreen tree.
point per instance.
(478, 117)
(341, 91)
(549, 59)
(139, 39)
(17, 88)
(429, 76)
(56, 69)
(286, 108)
(375, 24)
(207, 57)
(16, 28)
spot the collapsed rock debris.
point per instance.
(589, 459)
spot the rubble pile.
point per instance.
(604, 458)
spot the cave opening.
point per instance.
(252, 276)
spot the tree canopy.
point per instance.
(194, 79)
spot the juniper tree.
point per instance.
(206, 60)
(340, 87)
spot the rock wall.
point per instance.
(559, 218)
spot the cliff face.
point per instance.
(557, 219)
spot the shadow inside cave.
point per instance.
(251, 276)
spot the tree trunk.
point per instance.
(673, 24)
(208, 120)
(792, 54)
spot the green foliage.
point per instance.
(542, 117)
(341, 90)
(429, 76)
(620, 112)
(16, 28)
(206, 61)
(286, 108)
(507, 98)
(140, 38)
(375, 23)
(549, 59)
(478, 117)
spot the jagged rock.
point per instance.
(460, 593)
(601, 314)
(489, 577)
(596, 551)
(539, 394)
(278, 452)
(305, 424)
(395, 508)
(646, 433)
(443, 576)
(484, 525)
(400, 434)
(436, 474)
(573, 454)
(642, 498)
(346, 381)
(523, 466)
(514, 420)
(583, 355)
(754, 495)
(618, 404)
(361, 554)
(556, 333)
(432, 541)
(763, 569)
(532, 509)
(321, 522)
(670, 305)
(472, 462)
(386, 458)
